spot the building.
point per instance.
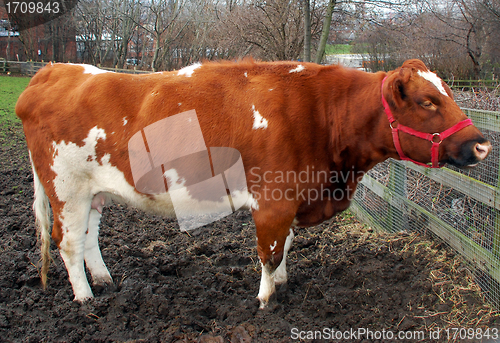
(52, 41)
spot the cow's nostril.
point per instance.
(482, 150)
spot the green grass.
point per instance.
(10, 89)
(338, 49)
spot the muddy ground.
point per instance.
(179, 287)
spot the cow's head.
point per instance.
(427, 122)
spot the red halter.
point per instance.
(434, 138)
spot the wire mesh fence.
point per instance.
(461, 207)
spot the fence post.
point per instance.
(397, 185)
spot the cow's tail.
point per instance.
(41, 208)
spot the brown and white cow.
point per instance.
(305, 132)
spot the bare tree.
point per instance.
(307, 30)
(126, 17)
(163, 15)
(326, 30)
(274, 29)
(460, 22)
(472, 33)
(92, 23)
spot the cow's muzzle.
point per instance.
(482, 150)
(471, 153)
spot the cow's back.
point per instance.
(65, 102)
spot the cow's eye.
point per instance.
(428, 105)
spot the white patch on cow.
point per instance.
(434, 79)
(246, 74)
(280, 275)
(259, 122)
(189, 70)
(174, 178)
(271, 89)
(273, 246)
(267, 286)
(180, 103)
(125, 121)
(252, 203)
(299, 68)
(210, 204)
(79, 176)
(90, 69)
(289, 239)
(183, 198)
(242, 199)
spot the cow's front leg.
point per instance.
(274, 238)
(280, 275)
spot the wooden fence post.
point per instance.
(397, 185)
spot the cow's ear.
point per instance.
(399, 86)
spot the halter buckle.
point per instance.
(438, 135)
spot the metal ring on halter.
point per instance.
(437, 135)
(390, 124)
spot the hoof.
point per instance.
(102, 281)
(104, 288)
(263, 303)
(280, 279)
(82, 300)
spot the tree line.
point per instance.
(457, 38)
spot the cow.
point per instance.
(306, 134)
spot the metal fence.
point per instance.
(461, 207)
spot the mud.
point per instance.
(201, 286)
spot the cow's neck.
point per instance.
(361, 136)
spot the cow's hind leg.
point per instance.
(69, 232)
(93, 257)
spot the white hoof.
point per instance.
(263, 303)
(82, 299)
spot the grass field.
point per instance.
(337, 49)
(10, 89)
